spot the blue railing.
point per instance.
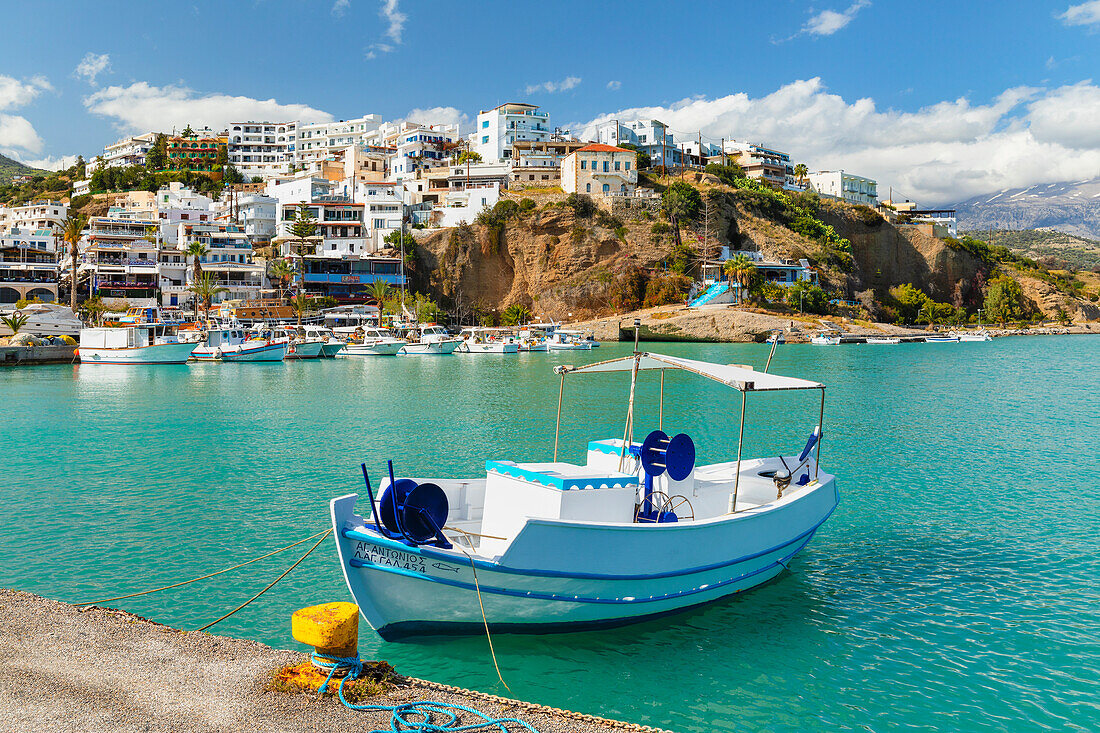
(364, 278)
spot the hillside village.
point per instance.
(517, 217)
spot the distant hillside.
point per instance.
(1072, 207)
(9, 168)
(1070, 252)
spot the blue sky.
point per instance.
(939, 98)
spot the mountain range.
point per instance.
(1070, 207)
(9, 168)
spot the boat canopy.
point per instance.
(741, 378)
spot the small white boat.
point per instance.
(487, 341)
(567, 340)
(533, 336)
(883, 340)
(980, 335)
(233, 344)
(775, 338)
(47, 319)
(635, 532)
(146, 344)
(372, 341)
(330, 345)
(298, 346)
(941, 339)
(431, 339)
(823, 339)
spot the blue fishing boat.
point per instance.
(636, 531)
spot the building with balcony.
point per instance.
(194, 153)
(417, 146)
(765, 164)
(228, 259)
(847, 186)
(497, 129)
(35, 216)
(319, 140)
(128, 151)
(651, 137)
(600, 170)
(119, 260)
(537, 164)
(253, 212)
(261, 149)
(28, 266)
(944, 221)
(348, 279)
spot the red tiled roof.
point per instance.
(601, 148)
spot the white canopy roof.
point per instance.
(739, 377)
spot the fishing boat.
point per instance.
(824, 339)
(776, 337)
(234, 344)
(330, 345)
(533, 336)
(487, 341)
(638, 530)
(298, 346)
(980, 335)
(429, 339)
(567, 340)
(146, 344)
(883, 340)
(370, 341)
(942, 339)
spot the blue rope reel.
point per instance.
(411, 512)
(659, 454)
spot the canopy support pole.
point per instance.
(820, 434)
(557, 423)
(740, 442)
(772, 352)
(628, 429)
(661, 406)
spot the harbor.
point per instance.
(927, 550)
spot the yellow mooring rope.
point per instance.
(204, 577)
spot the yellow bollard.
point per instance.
(332, 629)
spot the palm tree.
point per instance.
(196, 250)
(515, 315)
(15, 322)
(740, 268)
(301, 303)
(282, 271)
(800, 172)
(70, 233)
(927, 313)
(205, 288)
(379, 290)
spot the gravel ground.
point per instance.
(63, 668)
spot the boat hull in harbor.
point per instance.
(597, 576)
(177, 353)
(262, 352)
(331, 348)
(379, 348)
(429, 348)
(305, 350)
(497, 347)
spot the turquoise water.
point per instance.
(955, 587)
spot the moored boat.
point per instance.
(941, 339)
(429, 339)
(883, 340)
(563, 339)
(330, 344)
(487, 341)
(638, 530)
(980, 335)
(824, 339)
(232, 344)
(145, 344)
(370, 341)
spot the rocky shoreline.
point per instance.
(68, 668)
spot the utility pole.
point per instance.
(700, 147)
(681, 161)
(723, 151)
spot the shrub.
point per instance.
(581, 204)
(79, 202)
(727, 174)
(629, 290)
(621, 232)
(660, 227)
(680, 259)
(808, 297)
(666, 290)
(527, 205)
(867, 215)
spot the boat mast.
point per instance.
(628, 429)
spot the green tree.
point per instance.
(80, 168)
(222, 156)
(205, 288)
(740, 269)
(302, 230)
(282, 271)
(1004, 300)
(680, 201)
(927, 313)
(15, 322)
(909, 300)
(197, 250)
(807, 297)
(93, 309)
(301, 303)
(71, 230)
(469, 156)
(515, 315)
(380, 291)
(187, 132)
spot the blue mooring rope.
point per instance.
(421, 710)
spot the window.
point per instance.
(606, 188)
(484, 124)
(584, 163)
(588, 188)
(617, 165)
(606, 166)
(628, 165)
(484, 139)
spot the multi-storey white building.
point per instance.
(319, 140)
(128, 150)
(602, 170)
(262, 149)
(28, 266)
(760, 162)
(253, 212)
(417, 146)
(501, 126)
(119, 260)
(539, 163)
(840, 185)
(177, 204)
(649, 136)
(35, 216)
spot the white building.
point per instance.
(28, 266)
(319, 140)
(35, 216)
(600, 170)
(261, 149)
(758, 161)
(840, 185)
(944, 221)
(120, 262)
(417, 146)
(128, 150)
(649, 136)
(461, 206)
(501, 126)
(538, 164)
(177, 204)
(253, 212)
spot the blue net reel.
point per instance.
(659, 454)
(411, 512)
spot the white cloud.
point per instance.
(142, 107)
(828, 22)
(17, 134)
(1087, 13)
(50, 163)
(92, 65)
(550, 87)
(395, 26)
(939, 154)
(614, 85)
(340, 7)
(438, 116)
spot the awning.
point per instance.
(739, 377)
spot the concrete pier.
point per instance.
(64, 668)
(27, 355)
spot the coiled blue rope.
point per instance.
(412, 717)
